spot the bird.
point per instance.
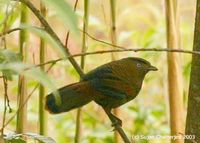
(110, 86)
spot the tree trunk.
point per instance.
(193, 111)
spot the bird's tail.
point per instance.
(71, 96)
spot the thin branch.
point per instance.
(10, 31)
(101, 41)
(67, 37)
(125, 50)
(122, 49)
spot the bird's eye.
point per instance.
(139, 65)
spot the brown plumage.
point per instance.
(110, 85)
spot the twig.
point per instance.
(67, 37)
(122, 49)
(125, 50)
(10, 31)
(101, 41)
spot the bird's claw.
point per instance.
(117, 123)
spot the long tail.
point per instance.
(72, 96)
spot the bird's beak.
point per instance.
(152, 68)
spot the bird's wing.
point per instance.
(102, 72)
(112, 88)
(105, 80)
(98, 72)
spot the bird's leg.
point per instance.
(115, 120)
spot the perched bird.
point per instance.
(110, 85)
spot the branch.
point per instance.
(9, 31)
(122, 133)
(125, 50)
(50, 31)
(122, 49)
(101, 41)
(67, 37)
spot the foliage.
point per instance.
(17, 138)
(7, 56)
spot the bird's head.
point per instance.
(140, 65)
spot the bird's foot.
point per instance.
(117, 122)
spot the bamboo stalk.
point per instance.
(42, 91)
(22, 85)
(85, 29)
(84, 48)
(114, 56)
(174, 72)
(113, 35)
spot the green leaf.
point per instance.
(29, 71)
(14, 138)
(17, 138)
(65, 13)
(40, 137)
(43, 34)
(7, 56)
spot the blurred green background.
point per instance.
(140, 24)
